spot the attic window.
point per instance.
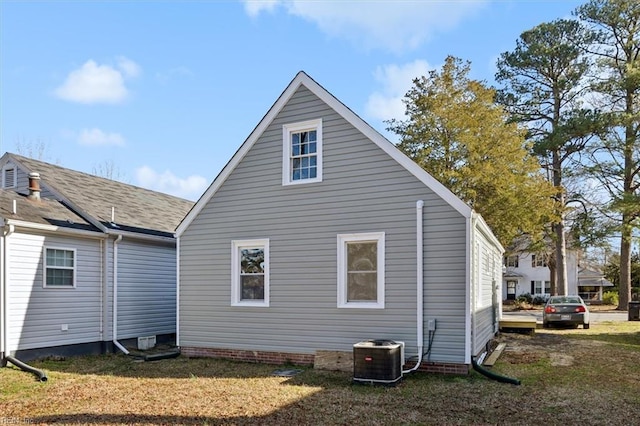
(302, 152)
(9, 176)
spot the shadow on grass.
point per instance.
(192, 368)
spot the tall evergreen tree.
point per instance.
(543, 80)
(456, 132)
(616, 159)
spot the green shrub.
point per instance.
(610, 298)
(539, 300)
(525, 297)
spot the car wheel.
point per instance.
(585, 326)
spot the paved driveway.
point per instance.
(594, 316)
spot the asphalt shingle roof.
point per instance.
(44, 211)
(135, 207)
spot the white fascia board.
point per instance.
(482, 226)
(387, 146)
(303, 79)
(240, 153)
(53, 228)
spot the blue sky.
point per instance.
(167, 91)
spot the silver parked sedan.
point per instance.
(565, 310)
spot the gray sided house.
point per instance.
(87, 263)
(320, 234)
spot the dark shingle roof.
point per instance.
(43, 212)
(135, 207)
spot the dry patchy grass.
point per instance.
(568, 377)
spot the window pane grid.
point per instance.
(59, 267)
(251, 273)
(362, 275)
(304, 161)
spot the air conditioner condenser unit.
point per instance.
(377, 361)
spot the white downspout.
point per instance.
(115, 296)
(8, 230)
(178, 292)
(419, 285)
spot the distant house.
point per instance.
(319, 234)
(87, 262)
(528, 273)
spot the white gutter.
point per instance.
(419, 284)
(53, 228)
(4, 276)
(141, 236)
(115, 296)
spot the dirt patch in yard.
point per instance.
(556, 346)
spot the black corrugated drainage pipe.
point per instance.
(41, 375)
(492, 375)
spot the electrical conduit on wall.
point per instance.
(419, 284)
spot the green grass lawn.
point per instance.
(568, 377)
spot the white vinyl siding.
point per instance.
(250, 273)
(363, 190)
(146, 288)
(361, 270)
(302, 152)
(38, 317)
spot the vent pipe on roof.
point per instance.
(34, 186)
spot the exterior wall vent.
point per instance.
(146, 342)
(377, 361)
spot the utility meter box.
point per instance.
(377, 361)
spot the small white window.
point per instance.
(511, 261)
(9, 176)
(538, 260)
(361, 270)
(250, 273)
(302, 152)
(59, 267)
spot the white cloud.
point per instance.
(396, 26)
(96, 137)
(128, 67)
(254, 7)
(190, 187)
(395, 81)
(94, 83)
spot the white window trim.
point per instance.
(343, 239)
(6, 184)
(236, 245)
(287, 130)
(44, 267)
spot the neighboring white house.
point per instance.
(528, 273)
(319, 234)
(85, 261)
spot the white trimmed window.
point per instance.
(511, 261)
(302, 152)
(9, 176)
(541, 288)
(361, 270)
(59, 267)
(538, 261)
(250, 273)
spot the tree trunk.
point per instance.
(561, 246)
(624, 293)
(553, 282)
